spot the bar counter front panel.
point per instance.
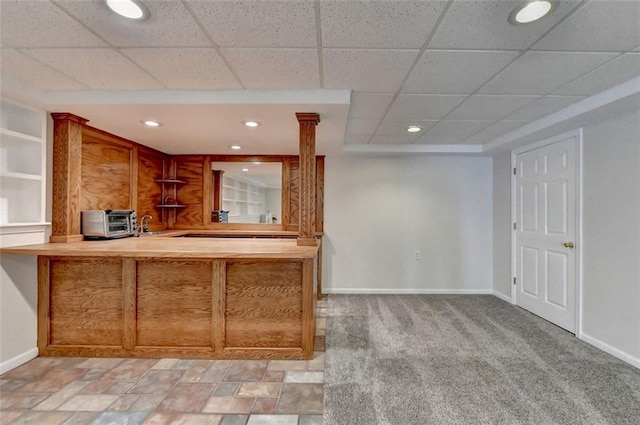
(131, 306)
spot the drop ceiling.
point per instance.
(456, 68)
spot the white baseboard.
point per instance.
(18, 360)
(503, 296)
(401, 291)
(633, 361)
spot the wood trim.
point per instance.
(174, 352)
(218, 176)
(307, 205)
(218, 292)
(66, 181)
(129, 304)
(286, 193)
(207, 190)
(308, 307)
(66, 239)
(133, 178)
(319, 270)
(319, 210)
(44, 302)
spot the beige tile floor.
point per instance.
(101, 391)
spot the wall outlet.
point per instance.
(416, 254)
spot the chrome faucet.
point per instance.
(144, 223)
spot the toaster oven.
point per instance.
(108, 224)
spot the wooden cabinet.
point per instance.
(22, 165)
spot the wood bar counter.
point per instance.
(157, 296)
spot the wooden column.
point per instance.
(67, 168)
(217, 189)
(306, 232)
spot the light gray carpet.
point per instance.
(445, 359)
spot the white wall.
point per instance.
(273, 202)
(502, 279)
(379, 211)
(18, 300)
(611, 234)
(610, 229)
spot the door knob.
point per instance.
(567, 244)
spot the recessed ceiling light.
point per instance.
(256, 163)
(235, 147)
(129, 9)
(245, 169)
(251, 124)
(414, 129)
(151, 123)
(531, 11)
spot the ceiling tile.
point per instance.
(369, 105)
(544, 106)
(543, 72)
(379, 71)
(258, 23)
(480, 107)
(103, 69)
(42, 24)
(362, 126)
(275, 68)
(440, 140)
(457, 128)
(597, 26)
(381, 24)
(169, 24)
(356, 140)
(484, 25)
(399, 127)
(30, 71)
(393, 140)
(423, 107)
(455, 71)
(619, 70)
(495, 130)
(185, 68)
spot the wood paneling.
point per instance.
(149, 193)
(218, 302)
(129, 300)
(67, 158)
(294, 195)
(86, 301)
(190, 169)
(174, 303)
(44, 300)
(263, 304)
(106, 174)
(307, 206)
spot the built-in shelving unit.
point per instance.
(22, 165)
(169, 189)
(244, 200)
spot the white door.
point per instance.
(546, 231)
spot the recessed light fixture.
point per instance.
(252, 124)
(130, 9)
(414, 129)
(235, 147)
(531, 11)
(151, 123)
(245, 169)
(256, 162)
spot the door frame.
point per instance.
(577, 137)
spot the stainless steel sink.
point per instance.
(145, 234)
